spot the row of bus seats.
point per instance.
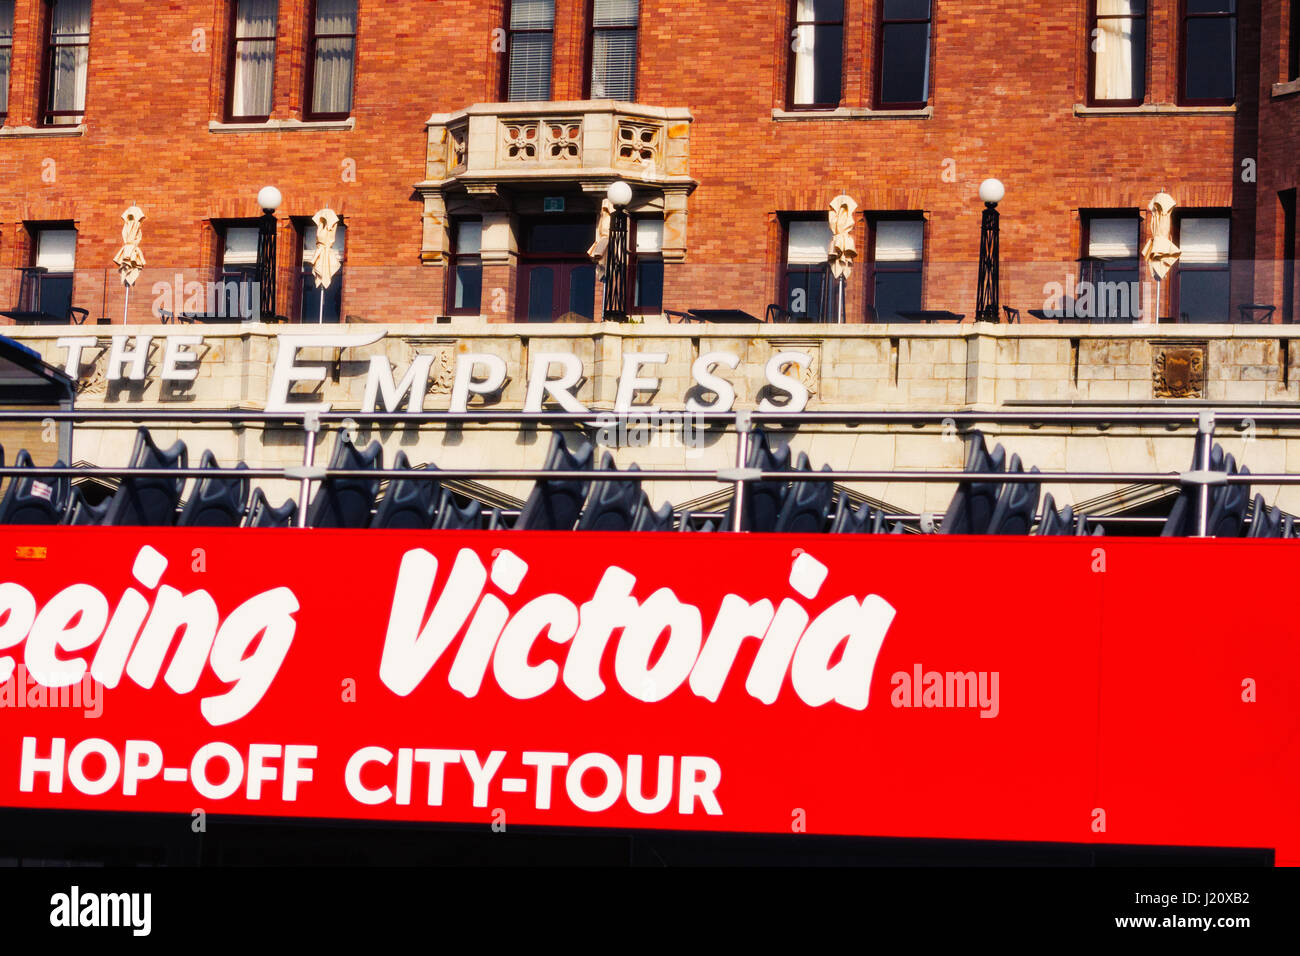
(979, 506)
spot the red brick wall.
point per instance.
(1004, 84)
(1279, 153)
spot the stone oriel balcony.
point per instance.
(487, 155)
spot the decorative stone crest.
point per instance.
(442, 373)
(638, 145)
(563, 141)
(1178, 371)
(519, 141)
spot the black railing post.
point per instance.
(986, 307)
(616, 265)
(266, 266)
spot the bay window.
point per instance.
(68, 57)
(531, 41)
(252, 60)
(613, 45)
(1209, 52)
(817, 54)
(894, 269)
(1203, 276)
(1118, 57)
(332, 55)
(903, 52)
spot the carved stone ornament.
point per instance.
(1178, 371)
(442, 373)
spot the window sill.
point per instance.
(1147, 109)
(284, 126)
(38, 132)
(850, 113)
(1286, 89)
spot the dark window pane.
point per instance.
(582, 291)
(827, 69)
(805, 297)
(559, 237)
(821, 10)
(313, 299)
(56, 294)
(897, 292)
(649, 295)
(469, 287)
(1210, 59)
(1211, 6)
(907, 9)
(1203, 295)
(905, 63)
(541, 294)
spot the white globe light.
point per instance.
(619, 193)
(992, 190)
(269, 199)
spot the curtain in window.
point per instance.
(332, 87)
(254, 57)
(56, 250)
(1204, 241)
(530, 53)
(241, 246)
(810, 242)
(899, 240)
(6, 50)
(69, 55)
(1112, 239)
(1114, 45)
(805, 67)
(613, 49)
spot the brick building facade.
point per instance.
(716, 142)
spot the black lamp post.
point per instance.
(616, 255)
(986, 306)
(269, 200)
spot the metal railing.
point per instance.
(739, 476)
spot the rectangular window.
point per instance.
(1204, 278)
(532, 37)
(332, 56)
(804, 276)
(1118, 41)
(817, 57)
(6, 54)
(1209, 52)
(238, 294)
(56, 262)
(65, 68)
(321, 304)
(252, 60)
(647, 266)
(903, 51)
(613, 49)
(894, 274)
(1109, 288)
(466, 287)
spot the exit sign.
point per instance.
(553, 204)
